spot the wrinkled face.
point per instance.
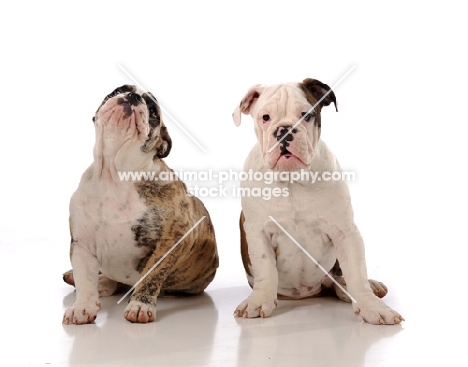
(286, 143)
(129, 115)
(287, 121)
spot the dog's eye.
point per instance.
(266, 118)
(306, 116)
(152, 111)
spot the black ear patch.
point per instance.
(154, 112)
(319, 91)
(164, 144)
(164, 148)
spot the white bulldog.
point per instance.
(315, 216)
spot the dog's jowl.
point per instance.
(315, 215)
(121, 228)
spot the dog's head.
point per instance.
(287, 121)
(131, 115)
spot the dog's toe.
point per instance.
(139, 312)
(81, 313)
(255, 306)
(374, 311)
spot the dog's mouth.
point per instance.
(288, 161)
(123, 120)
(285, 153)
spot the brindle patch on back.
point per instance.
(147, 232)
(191, 266)
(158, 192)
(151, 227)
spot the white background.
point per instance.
(401, 124)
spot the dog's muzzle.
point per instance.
(284, 135)
(134, 99)
(129, 101)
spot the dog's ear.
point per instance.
(247, 102)
(165, 144)
(162, 143)
(154, 111)
(319, 91)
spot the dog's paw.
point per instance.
(82, 313)
(375, 311)
(256, 305)
(106, 286)
(140, 312)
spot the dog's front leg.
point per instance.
(263, 298)
(86, 276)
(350, 254)
(142, 305)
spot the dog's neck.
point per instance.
(322, 160)
(111, 159)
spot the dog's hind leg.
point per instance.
(379, 289)
(106, 287)
(68, 277)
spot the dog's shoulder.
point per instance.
(161, 192)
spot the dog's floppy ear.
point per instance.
(165, 145)
(247, 102)
(318, 90)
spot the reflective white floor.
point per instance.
(202, 331)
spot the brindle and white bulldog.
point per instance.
(120, 229)
(318, 216)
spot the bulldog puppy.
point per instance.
(121, 228)
(316, 216)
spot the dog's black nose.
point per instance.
(134, 99)
(281, 131)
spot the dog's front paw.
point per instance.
(140, 312)
(375, 311)
(257, 305)
(82, 313)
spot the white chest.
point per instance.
(102, 217)
(299, 245)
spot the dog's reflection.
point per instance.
(181, 335)
(322, 331)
